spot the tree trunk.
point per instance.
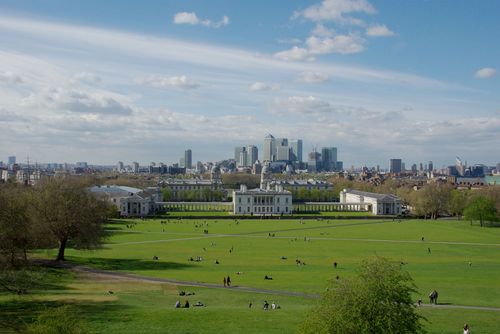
(62, 248)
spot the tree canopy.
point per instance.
(481, 208)
(377, 300)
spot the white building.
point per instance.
(262, 201)
(379, 204)
(131, 201)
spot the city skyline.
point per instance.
(83, 82)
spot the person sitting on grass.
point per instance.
(198, 303)
(186, 304)
(177, 304)
(268, 277)
(266, 305)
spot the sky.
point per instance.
(108, 81)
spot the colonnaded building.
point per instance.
(262, 201)
(130, 202)
(378, 204)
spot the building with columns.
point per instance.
(378, 204)
(263, 201)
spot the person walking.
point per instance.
(224, 280)
(466, 329)
(228, 280)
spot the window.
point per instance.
(239, 209)
(248, 200)
(286, 200)
(286, 209)
(278, 200)
(248, 209)
(239, 200)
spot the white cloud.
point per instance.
(78, 101)
(335, 10)
(261, 86)
(165, 82)
(312, 77)
(379, 30)
(343, 44)
(192, 18)
(322, 31)
(485, 73)
(295, 53)
(10, 78)
(300, 105)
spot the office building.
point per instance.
(252, 154)
(119, 166)
(295, 149)
(314, 162)
(395, 166)
(135, 167)
(269, 145)
(240, 153)
(187, 160)
(12, 160)
(430, 166)
(329, 158)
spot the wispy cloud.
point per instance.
(337, 10)
(379, 30)
(192, 18)
(312, 77)
(182, 82)
(485, 73)
(262, 86)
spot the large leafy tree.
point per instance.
(17, 233)
(70, 214)
(377, 300)
(481, 208)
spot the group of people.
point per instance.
(274, 306)
(187, 305)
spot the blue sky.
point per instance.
(104, 81)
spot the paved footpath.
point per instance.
(122, 275)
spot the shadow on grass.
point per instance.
(128, 264)
(16, 314)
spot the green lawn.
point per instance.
(255, 254)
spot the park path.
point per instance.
(140, 278)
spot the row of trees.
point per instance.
(202, 195)
(58, 213)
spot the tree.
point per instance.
(377, 300)
(481, 208)
(70, 214)
(17, 234)
(457, 203)
(432, 200)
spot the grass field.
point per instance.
(254, 248)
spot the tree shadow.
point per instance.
(16, 314)
(129, 264)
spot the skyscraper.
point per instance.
(314, 162)
(269, 147)
(238, 150)
(12, 160)
(283, 153)
(329, 158)
(253, 154)
(430, 166)
(295, 149)
(396, 165)
(188, 159)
